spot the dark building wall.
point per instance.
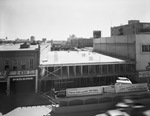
(96, 34)
(85, 75)
(85, 43)
(133, 27)
(19, 56)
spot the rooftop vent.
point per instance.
(24, 45)
(34, 43)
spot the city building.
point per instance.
(18, 67)
(135, 47)
(81, 42)
(75, 80)
(72, 69)
(133, 27)
(97, 34)
(22, 40)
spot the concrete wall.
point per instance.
(142, 58)
(140, 97)
(120, 46)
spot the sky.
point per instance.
(58, 19)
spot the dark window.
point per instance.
(117, 68)
(145, 48)
(122, 67)
(14, 64)
(23, 64)
(6, 64)
(110, 68)
(104, 69)
(31, 63)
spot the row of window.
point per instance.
(14, 64)
(145, 48)
(88, 70)
(79, 82)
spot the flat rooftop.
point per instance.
(76, 57)
(16, 47)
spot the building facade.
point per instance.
(73, 69)
(81, 42)
(18, 68)
(133, 27)
(135, 47)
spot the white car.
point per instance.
(122, 80)
(113, 113)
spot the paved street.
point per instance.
(13, 101)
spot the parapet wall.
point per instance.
(120, 46)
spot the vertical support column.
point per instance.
(61, 71)
(44, 85)
(81, 70)
(74, 67)
(88, 69)
(8, 86)
(100, 67)
(68, 70)
(36, 81)
(39, 84)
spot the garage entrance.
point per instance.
(3, 87)
(22, 85)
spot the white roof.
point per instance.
(75, 57)
(16, 47)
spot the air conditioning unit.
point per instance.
(24, 45)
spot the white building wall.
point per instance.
(142, 59)
(122, 46)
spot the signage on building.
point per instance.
(61, 93)
(23, 72)
(2, 74)
(109, 89)
(84, 91)
(144, 74)
(22, 79)
(131, 87)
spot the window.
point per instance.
(31, 63)
(23, 64)
(14, 65)
(104, 69)
(145, 48)
(6, 64)
(117, 68)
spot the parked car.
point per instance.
(122, 80)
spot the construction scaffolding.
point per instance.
(83, 75)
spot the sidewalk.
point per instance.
(10, 102)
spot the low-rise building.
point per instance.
(133, 27)
(18, 67)
(135, 47)
(72, 69)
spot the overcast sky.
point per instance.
(57, 19)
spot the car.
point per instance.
(115, 112)
(122, 80)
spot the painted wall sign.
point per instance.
(24, 72)
(61, 93)
(22, 78)
(131, 87)
(144, 74)
(84, 91)
(109, 89)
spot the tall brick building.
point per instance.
(18, 67)
(133, 27)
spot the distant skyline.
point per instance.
(58, 19)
